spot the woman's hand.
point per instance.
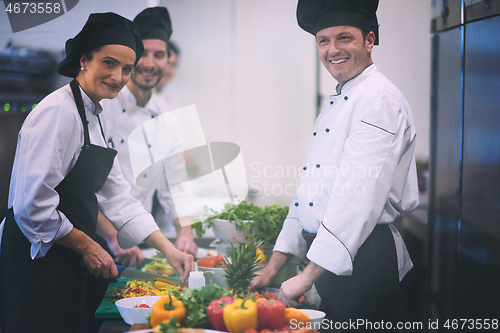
(182, 262)
(130, 257)
(186, 245)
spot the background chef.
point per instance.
(135, 105)
(359, 174)
(61, 162)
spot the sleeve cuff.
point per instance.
(290, 240)
(136, 230)
(330, 253)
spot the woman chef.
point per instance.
(63, 170)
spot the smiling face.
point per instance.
(344, 52)
(106, 71)
(149, 71)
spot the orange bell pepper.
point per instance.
(165, 308)
(297, 315)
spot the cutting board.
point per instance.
(107, 309)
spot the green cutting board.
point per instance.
(107, 309)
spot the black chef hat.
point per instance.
(99, 30)
(315, 15)
(154, 23)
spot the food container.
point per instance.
(214, 275)
(226, 231)
(132, 315)
(316, 317)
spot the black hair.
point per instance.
(172, 47)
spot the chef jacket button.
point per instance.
(149, 146)
(296, 204)
(317, 165)
(304, 168)
(314, 133)
(327, 130)
(152, 116)
(123, 141)
(345, 98)
(145, 176)
(331, 102)
(310, 204)
(123, 110)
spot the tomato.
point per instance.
(137, 290)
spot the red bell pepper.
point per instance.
(271, 314)
(215, 312)
(211, 262)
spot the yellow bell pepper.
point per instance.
(161, 284)
(240, 316)
(261, 257)
(165, 308)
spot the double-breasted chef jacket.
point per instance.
(359, 171)
(40, 165)
(124, 116)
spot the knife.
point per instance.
(123, 271)
(139, 275)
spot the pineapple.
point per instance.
(241, 270)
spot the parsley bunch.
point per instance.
(196, 302)
(266, 222)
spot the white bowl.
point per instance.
(315, 316)
(226, 231)
(214, 275)
(132, 315)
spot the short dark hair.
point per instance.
(364, 33)
(172, 47)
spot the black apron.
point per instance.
(371, 293)
(51, 294)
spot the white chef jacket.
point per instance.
(124, 116)
(48, 146)
(359, 171)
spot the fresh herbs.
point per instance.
(266, 222)
(196, 303)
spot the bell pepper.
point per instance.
(297, 315)
(261, 257)
(165, 308)
(270, 314)
(240, 316)
(211, 262)
(215, 312)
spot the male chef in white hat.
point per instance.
(359, 175)
(135, 105)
